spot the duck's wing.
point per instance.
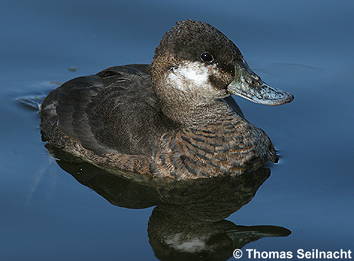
(114, 111)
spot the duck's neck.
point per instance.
(202, 115)
(214, 141)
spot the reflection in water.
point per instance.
(189, 220)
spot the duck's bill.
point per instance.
(250, 86)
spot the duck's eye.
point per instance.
(206, 57)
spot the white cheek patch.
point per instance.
(191, 76)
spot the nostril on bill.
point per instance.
(253, 80)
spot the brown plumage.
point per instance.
(174, 119)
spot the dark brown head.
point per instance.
(195, 57)
(196, 63)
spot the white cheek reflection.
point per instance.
(191, 245)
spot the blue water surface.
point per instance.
(304, 47)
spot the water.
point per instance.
(304, 47)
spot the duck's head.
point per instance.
(197, 62)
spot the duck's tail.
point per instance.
(31, 102)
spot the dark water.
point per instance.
(305, 47)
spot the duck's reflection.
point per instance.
(188, 222)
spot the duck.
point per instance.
(174, 119)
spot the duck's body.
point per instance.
(127, 119)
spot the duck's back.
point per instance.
(115, 110)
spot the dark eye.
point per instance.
(206, 57)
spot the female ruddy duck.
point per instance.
(172, 119)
